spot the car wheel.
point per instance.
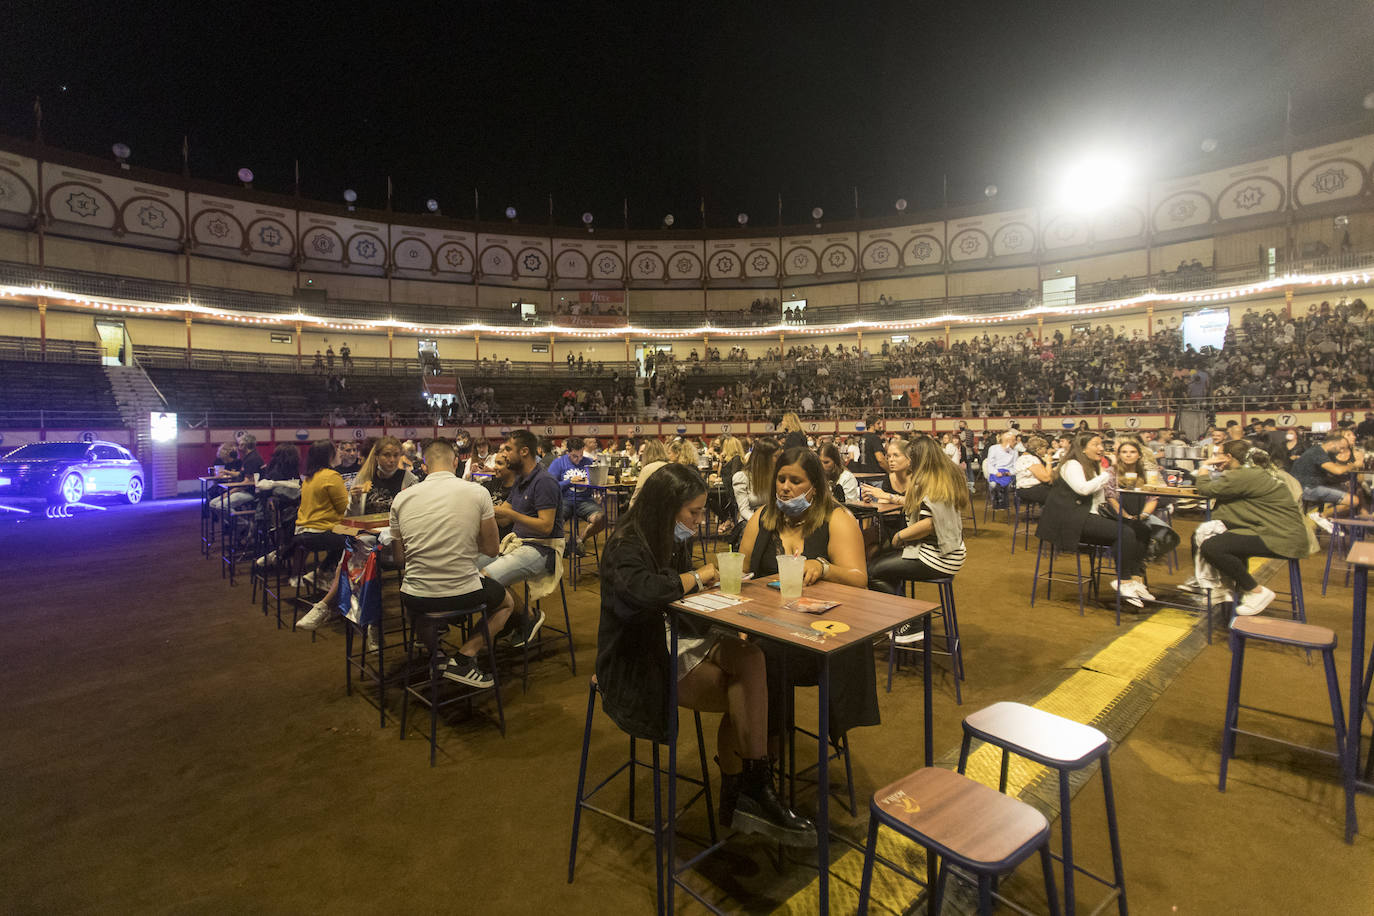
(73, 488)
(135, 492)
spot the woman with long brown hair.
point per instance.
(380, 479)
(753, 484)
(1073, 514)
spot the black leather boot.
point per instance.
(729, 795)
(759, 810)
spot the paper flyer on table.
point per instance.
(713, 601)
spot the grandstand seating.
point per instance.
(69, 395)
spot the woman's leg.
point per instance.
(1098, 529)
(731, 681)
(890, 571)
(1229, 552)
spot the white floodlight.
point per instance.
(1095, 182)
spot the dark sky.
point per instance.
(663, 102)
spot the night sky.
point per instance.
(663, 103)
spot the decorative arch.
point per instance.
(837, 259)
(648, 265)
(217, 227)
(1246, 196)
(411, 253)
(923, 249)
(1329, 172)
(969, 245)
(685, 265)
(1012, 239)
(761, 262)
(153, 220)
(323, 244)
(578, 267)
(800, 260)
(454, 257)
(497, 261)
(82, 205)
(532, 262)
(366, 248)
(11, 184)
(268, 234)
(880, 254)
(1183, 208)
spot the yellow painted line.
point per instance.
(1084, 696)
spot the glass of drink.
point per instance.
(790, 576)
(1129, 480)
(731, 566)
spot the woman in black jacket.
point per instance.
(645, 568)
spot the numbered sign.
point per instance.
(637, 429)
(813, 427)
(594, 430)
(725, 429)
(908, 425)
(410, 432)
(1287, 419)
(548, 431)
(88, 436)
(1133, 422)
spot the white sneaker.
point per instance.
(1321, 521)
(1127, 593)
(1192, 586)
(317, 615)
(909, 634)
(1140, 590)
(1254, 602)
(373, 638)
(270, 559)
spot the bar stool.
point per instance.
(1022, 522)
(430, 623)
(583, 800)
(565, 633)
(990, 500)
(1298, 607)
(1282, 633)
(1064, 746)
(1346, 532)
(1086, 586)
(949, 619)
(301, 559)
(967, 824)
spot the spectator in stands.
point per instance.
(1073, 514)
(441, 530)
(380, 479)
(329, 358)
(931, 545)
(319, 362)
(648, 567)
(1263, 517)
(569, 469)
(844, 485)
(346, 462)
(346, 355)
(324, 500)
(1308, 470)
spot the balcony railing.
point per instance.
(89, 283)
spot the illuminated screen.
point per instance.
(163, 427)
(1206, 328)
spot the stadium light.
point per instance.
(1095, 182)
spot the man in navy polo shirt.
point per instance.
(531, 511)
(569, 469)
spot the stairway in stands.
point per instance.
(137, 397)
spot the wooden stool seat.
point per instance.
(1042, 736)
(1286, 632)
(965, 824)
(962, 818)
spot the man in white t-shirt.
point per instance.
(441, 527)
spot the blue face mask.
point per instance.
(794, 506)
(683, 533)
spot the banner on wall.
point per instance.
(908, 385)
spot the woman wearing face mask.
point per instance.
(803, 518)
(645, 567)
(380, 479)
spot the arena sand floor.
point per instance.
(169, 750)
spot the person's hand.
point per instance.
(503, 511)
(355, 491)
(811, 572)
(709, 575)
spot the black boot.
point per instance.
(729, 795)
(759, 810)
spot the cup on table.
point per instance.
(790, 575)
(731, 567)
(1129, 480)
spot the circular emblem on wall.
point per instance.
(322, 244)
(1182, 210)
(367, 249)
(151, 217)
(683, 265)
(725, 264)
(410, 432)
(359, 434)
(606, 264)
(533, 262)
(761, 262)
(82, 204)
(454, 257)
(218, 227)
(302, 434)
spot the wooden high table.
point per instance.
(1360, 558)
(860, 616)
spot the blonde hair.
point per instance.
(687, 453)
(654, 450)
(791, 423)
(759, 469)
(369, 468)
(730, 448)
(933, 477)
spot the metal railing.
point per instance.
(89, 283)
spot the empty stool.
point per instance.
(967, 824)
(565, 633)
(1064, 746)
(1024, 512)
(1283, 633)
(1097, 556)
(949, 618)
(430, 624)
(583, 801)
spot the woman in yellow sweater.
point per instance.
(324, 501)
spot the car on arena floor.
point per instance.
(71, 472)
